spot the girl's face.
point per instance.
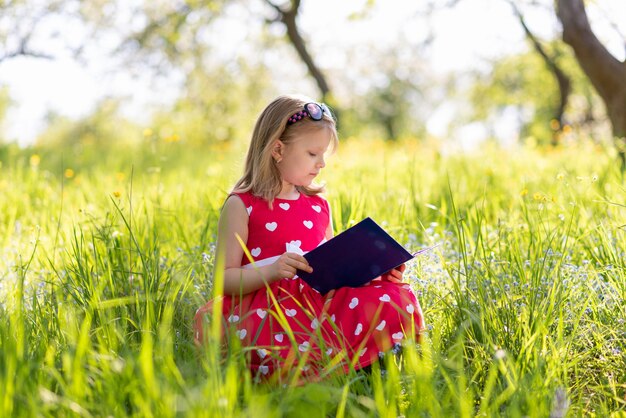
(303, 159)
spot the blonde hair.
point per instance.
(261, 175)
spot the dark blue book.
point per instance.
(354, 257)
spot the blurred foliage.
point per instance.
(103, 125)
(186, 38)
(5, 102)
(158, 34)
(524, 83)
(392, 103)
(31, 28)
(220, 104)
(390, 107)
(388, 91)
(89, 139)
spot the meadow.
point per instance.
(108, 252)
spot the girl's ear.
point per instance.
(277, 150)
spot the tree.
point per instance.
(288, 17)
(174, 31)
(605, 72)
(398, 88)
(27, 28)
(521, 83)
(562, 79)
(173, 35)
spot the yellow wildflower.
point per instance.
(554, 124)
(35, 160)
(69, 173)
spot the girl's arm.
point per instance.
(237, 280)
(328, 235)
(329, 229)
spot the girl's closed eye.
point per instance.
(312, 154)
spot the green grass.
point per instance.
(107, 253)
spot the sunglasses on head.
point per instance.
(313, 110)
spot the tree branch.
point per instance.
(25, 53)
(604, 70)
(178, 16)
(562, 79)
(606, 73)
(288, 18)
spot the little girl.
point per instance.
(277, 211)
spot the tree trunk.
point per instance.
(606, 73)
(288, 18)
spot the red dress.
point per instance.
(289, 323)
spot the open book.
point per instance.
(354, 257)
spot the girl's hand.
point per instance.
(395, 275)
(286, 266)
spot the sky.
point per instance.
(465, 36)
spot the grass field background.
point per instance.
(108, 252)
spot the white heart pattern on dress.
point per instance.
(271, 226)
(381, 326)
(397, 336)
(315, 323)
(362, 352)
(261, 352)
(410, 309)
(316, 208)
(329, 351)
(284, 206)
(359, 329)
(308, 224)
(295, 243)
(261, 313)
(241, 333)
(255, 252)
(233, 318)
(304, 346)
(384, 298)
(294, 247)
(279, 337)
(353, 303)
(249, 210)
(291, 313)
(264, 369)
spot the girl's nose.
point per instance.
(322, 163)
